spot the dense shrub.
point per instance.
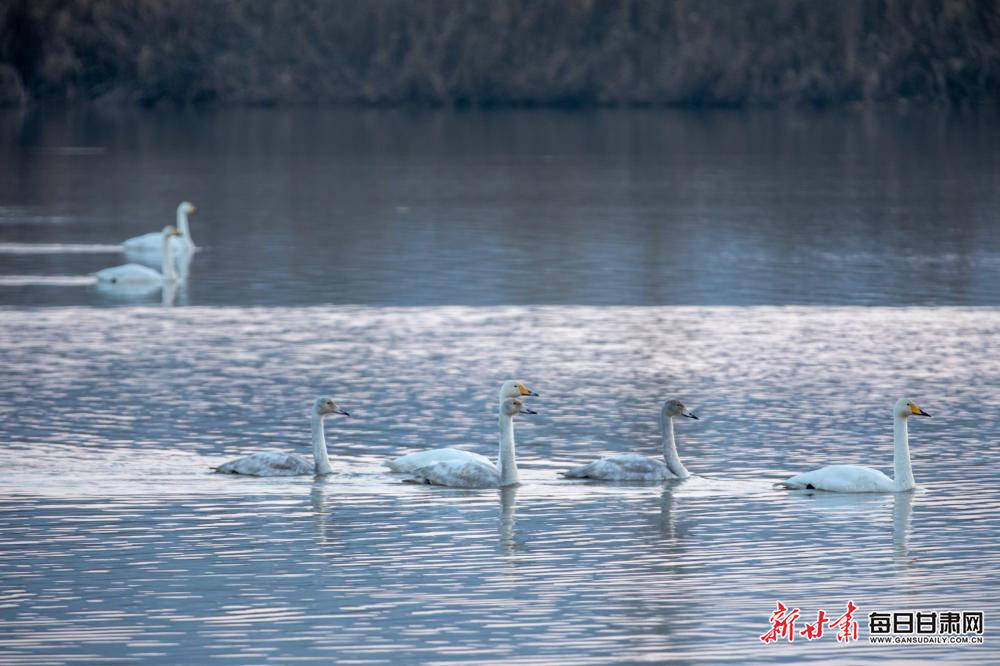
(723, 52)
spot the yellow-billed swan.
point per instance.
(635, 467)
(512, 388)
(474, 471)
(857, 479)
(149, 244)
(135, 275)
(286, 464)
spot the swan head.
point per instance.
(672, 408)
(324, 406)
(170, 230)
(187, 208)
(905, 408)
(512, 407)
(514, 388)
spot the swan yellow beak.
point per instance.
(194, 209)
(916, 410)
(524, 390)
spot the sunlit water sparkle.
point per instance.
(118, 543)
(792, 274)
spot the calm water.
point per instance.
(787, 276)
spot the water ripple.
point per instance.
(118, 544)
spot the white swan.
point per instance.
(149, 244)
(476, 471)
(512, 388)
(635, 467)
(857, 479)
(286, 464)
(135, 275)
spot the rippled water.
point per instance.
(117, 541)
(787, 276)
(304, 207)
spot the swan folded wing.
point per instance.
(414, 461)
(153, 240)
(152, 252)
(267, 464)
(128, 274)
(624, 467)
(465, 474)
(842, 479)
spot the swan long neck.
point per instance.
(903, 472)
(506, 461)
(670, 456)
(182, 224)
(169, 274)
(319, 446)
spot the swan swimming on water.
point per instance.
(455, 470)
(512, 388)
(285, 464)
(147, 246)
(635, 467)
(857, 479)
(135, 275)
(150, 242)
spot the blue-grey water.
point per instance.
(787, 276)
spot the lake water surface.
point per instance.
(788, 277)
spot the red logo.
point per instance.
(783, 625)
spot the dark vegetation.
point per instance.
(485, 52)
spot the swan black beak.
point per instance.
(689, 415)
(921, 412)
(341, 411)
(525, 410)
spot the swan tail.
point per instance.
(416, 481)
(797, 483)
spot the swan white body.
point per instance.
(289, 464)
(147, 246)
(512, 388)
(451, 456)
(858, 479)
(133, 275)
(635, 467)
(129, 274)
(460, 469)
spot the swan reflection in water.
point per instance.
(862, 508)
(321, 512)
(666, 520)
(511, 541)
(902, 509)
